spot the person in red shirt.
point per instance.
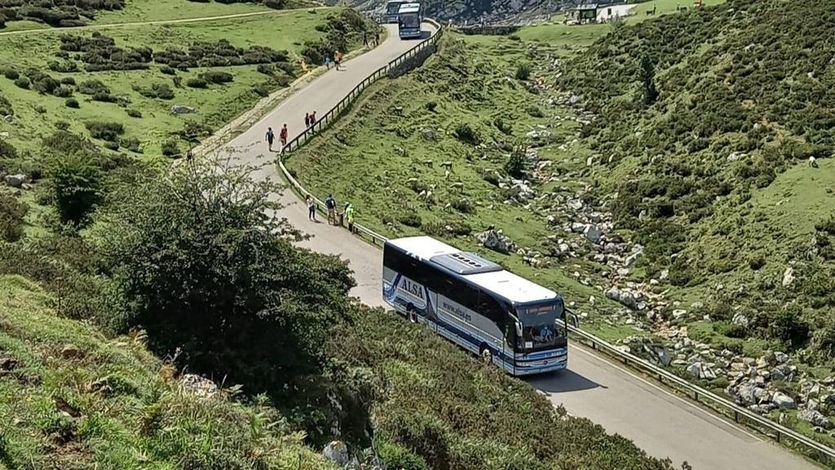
(283, 136)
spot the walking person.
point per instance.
(311, 208)
(337, 59)
(312, 118)
(365, 39)
(328, 62)
(283, 136)
(330, 204)
(270, 138)
(349, 216)
(306, 120)
(377, 37)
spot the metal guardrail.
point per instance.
(780, 433)
(763, 425)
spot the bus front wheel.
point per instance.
(411, 314)
(486, 355)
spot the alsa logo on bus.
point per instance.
(415, 291)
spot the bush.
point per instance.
(77, 186)
(7, 150)
(67, 81)
(22, 82)
(11, 74)
(12, 213)
(217, 77)
(109, 131)
(205, 232)
(134, 113)
(196, 82)
(157, 90)
(523, 71)
(92, 87)
(535, 111)
(5, 106)
(516, 163)
(788, 326)
(62, 92)
(431, 106)
(170, 148)
(465, 133)
(131, 143)
(410, 219)
(168, 70)
(105, 98)
(463, 204)
(72, 103)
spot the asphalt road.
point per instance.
(594, 387)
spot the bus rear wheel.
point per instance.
(486, 355)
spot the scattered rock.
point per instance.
(182, 109)
(520, 190)
(788, 276)
(746, 394)
(337, 452)
(816, 418)
(429, 134)
(200, 386)
(781, 357)
(783, 401)
(496, 241)
(16, 181)
(740, 319)
(592, 233)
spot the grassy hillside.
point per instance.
(129, 97)
(715, 226)
(72, 398)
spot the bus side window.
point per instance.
(490, 308)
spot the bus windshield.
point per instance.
(409, 20)
(543, 325)
(393, 7)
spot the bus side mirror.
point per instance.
(574, 320)
(518, 329)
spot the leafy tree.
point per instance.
(77, 186)
(647, 72)
(12, 212)
(202, 262)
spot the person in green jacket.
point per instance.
(349, 216)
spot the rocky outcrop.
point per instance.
(497, 241)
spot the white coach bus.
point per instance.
(506, 319)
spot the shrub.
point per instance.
(216, 77)
(431, 106)
(72, 103)
(261, 90)
(105, 98)
(516, 162)
(5, 106)
(67, 81)
(535, 111)
(93, 87)
(266, 69)
(22, 82)
(463, 204)
(7, 149)
(109, 131)
(77, 186)
(410, 219)
(11, 74)
(788, 326)
(157, 90)
(168, 70)
(465, 133)
(205, 232)
(503, 126)
(523, 71)
(130, 143)
(196, 82)
(12, 213)
(62, 92)
(170, 148)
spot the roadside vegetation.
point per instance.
(674, 187)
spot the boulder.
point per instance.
(578, 227)
(781, 357)
(592, 233)
(783, 401)
(336, 452)
(815, 417)
(740, 319)
(520, 190)
(788, 276)
(200, 386)
(746, 394)
(182, 109)
(16, 181)
(496, 241)
(429, 134)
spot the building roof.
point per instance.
(501, 282)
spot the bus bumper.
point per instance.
(540, 364)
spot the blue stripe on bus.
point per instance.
(510, 362)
